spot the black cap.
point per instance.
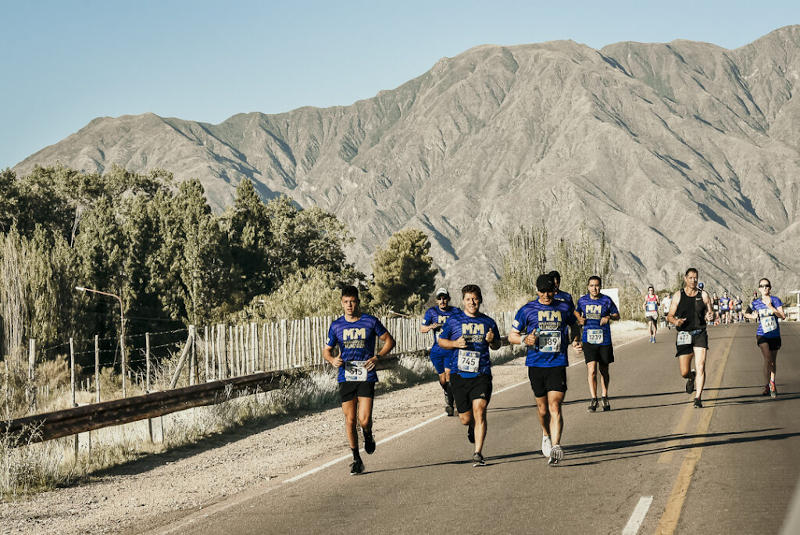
(545, 283)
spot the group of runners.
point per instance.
(727, 309)
(547, 326)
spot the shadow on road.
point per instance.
(597, 452)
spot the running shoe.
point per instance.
(356, 467)
(765, 392)
(556, 454)
(690, 383)
(773, 390)
(369, 443)
(697, 403)
(606, 404)
(471, 435)
(592, 405)
(448, 409)
(547, 445)
(478, 460)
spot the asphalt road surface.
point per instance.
(653, 464)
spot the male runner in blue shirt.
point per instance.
(595, 312)
(434, 319)
(355, 334)
(470, 334)
(546, 325)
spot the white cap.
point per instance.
(442, 291)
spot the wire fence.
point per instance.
(181, 357)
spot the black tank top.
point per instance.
(693, 309)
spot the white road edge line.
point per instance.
(637, 517)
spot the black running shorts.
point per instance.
(604, 354)
(466, 390)
(698, 340)
(348, 390)
(544, 380)
(773, 343)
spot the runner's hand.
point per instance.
(679, 321)
(709, 316)
(337, 362)
(582, 320)
(370, 363)
(604, 320)
(577, 345)
(460, 342)
(490, 336)
(529, 339)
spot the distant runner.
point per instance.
(650, 307)
(546, 326)
(725, 308)
(434, 319)
(560, 295)
(595, 312)
(738, 310)
(665, 309)
(766, 310)
(689, 312)
(470, 334)
(355, 334)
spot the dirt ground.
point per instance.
(145, 493)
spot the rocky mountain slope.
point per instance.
(682, 154)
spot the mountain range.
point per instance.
(681, 154)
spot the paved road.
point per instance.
(730, 467)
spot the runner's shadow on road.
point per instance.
(688, 400)
(490, 461)
(754, 398)
(599, 452)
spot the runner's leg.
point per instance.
(365, 414)
(543, 411)
(591, 368)
(700, 369)
(349, 409)
(554, 399)
(479, 411)
(606, 378)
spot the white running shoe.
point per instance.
(547, 446)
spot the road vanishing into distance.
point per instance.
(653, 464)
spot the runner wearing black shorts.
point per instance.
(355, 334)
(766, 311)
(595, 312)
(689, 312)
(546, 326)
(470, 334)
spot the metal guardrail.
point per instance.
(66, 422)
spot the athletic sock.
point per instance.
(356, 455)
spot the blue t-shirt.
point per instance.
(593, 310)
(724, 303)
(473, 360)
(356, 342)
(553, 323)
(437, 315)
(564, 296)
(767, 321)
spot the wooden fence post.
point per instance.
(192, 357)
(205, 353)
(72, 385)
(97, 368)
(31, 390)
(147, 380)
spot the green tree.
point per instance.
(308, 292)
(580, 259)
(191, 269)
(403, 276)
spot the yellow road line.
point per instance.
(672, 511)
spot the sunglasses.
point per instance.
(764, 286)
(442, 297)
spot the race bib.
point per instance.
(550, 341)
(468, 361)
(684, 338)
(594, 336)
(652, 306)
(355, 370)
(768, 324)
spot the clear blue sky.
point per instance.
(63, 63)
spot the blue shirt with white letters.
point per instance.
(552, 321)
(593, 310)
(356, 341)
(473, 360)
